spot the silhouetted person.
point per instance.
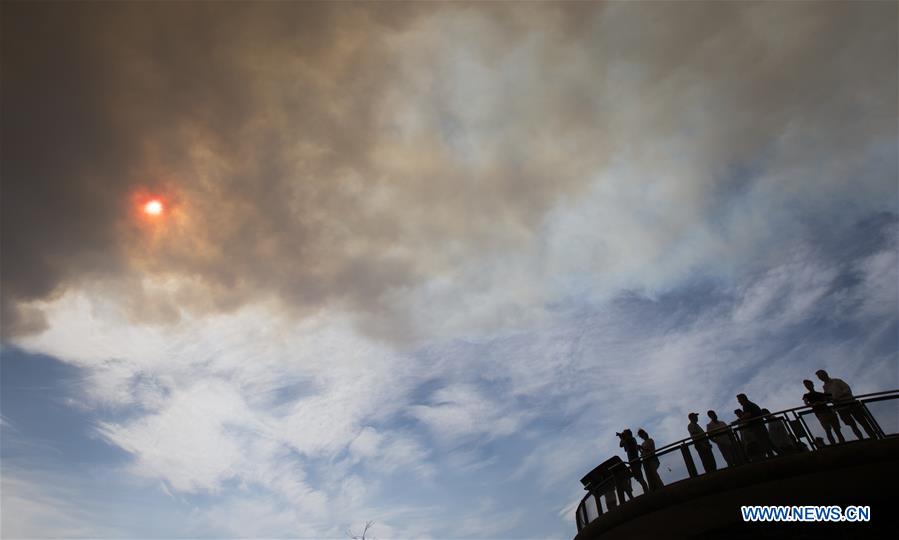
(702, 443)
(747, 436)
(720, 433)
(825, 415)
(631, 448)
(650, 461)
(777, 432)
(755, 422)
(846, 404)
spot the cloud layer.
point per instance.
(416, 252)
(300, 428)
(408, 163)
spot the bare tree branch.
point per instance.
(368, 525)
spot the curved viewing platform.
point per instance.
(698, 504)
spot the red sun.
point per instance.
(153, 207)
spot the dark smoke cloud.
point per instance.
(102, 100)
(345, 154)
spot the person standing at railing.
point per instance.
(747, 436)
(632, 449)
(702, 443)
(755, 422)
(849, 409)
(825, 415)
(650, 461)
(722, 438)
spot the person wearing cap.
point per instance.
(702, 443)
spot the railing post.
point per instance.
(737, 445)
(809, 438)
(597, 502)
(877, 429)
(808, 433)
(688, 460)
(797, 429)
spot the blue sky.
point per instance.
(486, 437)
(419, 263)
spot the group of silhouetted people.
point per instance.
(635, 451)
(756, 434)
(635, 469)
(762, 435)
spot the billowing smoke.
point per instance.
(410, 162)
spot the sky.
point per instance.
(418, 262)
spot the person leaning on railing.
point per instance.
(846, 405)
(825, 415)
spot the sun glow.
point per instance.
(153, 208)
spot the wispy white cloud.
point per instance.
(32, 508)
(754, 338)
(461, 410)
(216, 423)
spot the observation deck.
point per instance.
(695, 504)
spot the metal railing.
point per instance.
(784, 432)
